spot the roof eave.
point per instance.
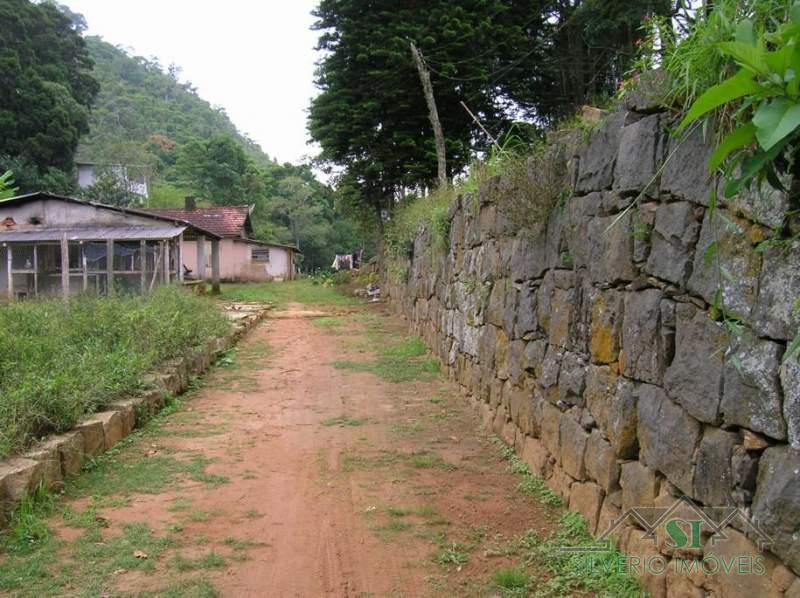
(44, 195)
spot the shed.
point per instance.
(55, 245)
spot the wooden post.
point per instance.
(179, 258)
(10, 289)
(201, 258)
(109, 266)
(64, 266)
(215, 289)
(85, 265)
(36, 271)
(433, 115)
(166, 261)
(143, 266)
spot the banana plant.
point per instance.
(6, 182)
(765, 93)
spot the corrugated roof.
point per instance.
(21, 199)
(225, 221)
(100, 233)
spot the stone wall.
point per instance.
(589, 345)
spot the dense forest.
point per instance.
(519, 66)
(69, 97)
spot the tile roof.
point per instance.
(226, 221)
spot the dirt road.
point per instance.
(299, 468)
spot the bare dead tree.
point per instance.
(433, 114)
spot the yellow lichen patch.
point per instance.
(604, 341)
(560, 318)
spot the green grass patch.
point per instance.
(454, 554)
(352, 461)
(186, 588)
(123, 474)
(330, 323)
(398, 512)
(281, 293)
(343, 421)
(512, 582)
(395, 525)
(408, 429)
(210, 560)
(54, 568)
(401, 361)
(531, 484)
(599, 573)
(28, 527)
(427, 460)
(61, 360)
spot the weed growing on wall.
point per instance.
(61, 360)
(533, 186)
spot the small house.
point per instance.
(54, 245)
(241, 258)
(134, 178)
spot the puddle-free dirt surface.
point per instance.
(317, 479)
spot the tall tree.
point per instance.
(220, 171)
(371, 116)
(46, 86)
(532, 59)
(588, 46)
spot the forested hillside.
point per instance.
(141, 103)
(80, 98)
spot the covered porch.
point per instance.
(52, 245)
(94, 260)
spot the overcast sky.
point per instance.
(253, 57)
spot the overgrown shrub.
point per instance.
(532, 186)
(692, 56)
(61, 360)
(414, 213)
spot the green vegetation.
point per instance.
(40, 563)
(596, 572)
(210, 560)
(512, 582)
(151, 122)
(145, 119)
(343, 421)
(141, 104)
(764, 95)
(733, 73)
(299, 291)
(371, 118)
(531, 484)
(6, 182)
(455, 554)
(46, 92)
(402, 361)
(62, 360)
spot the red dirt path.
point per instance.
(314, 502)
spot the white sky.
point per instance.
(253, 57)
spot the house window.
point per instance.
(260, 254)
